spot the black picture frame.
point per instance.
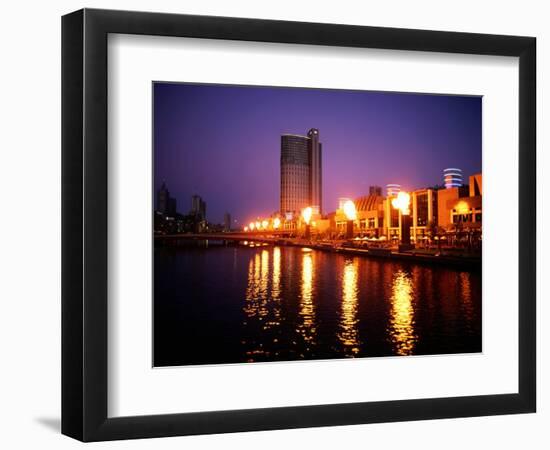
(84, 224)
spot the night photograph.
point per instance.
(297, 224)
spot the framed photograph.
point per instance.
(273, 224)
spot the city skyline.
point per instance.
(369, 138)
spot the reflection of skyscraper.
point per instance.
(198, 207)
(301, 172)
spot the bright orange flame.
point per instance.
(251, 226)
(349, 210)
(276, 222)
(306, 214)
(265, 223)
(402, 202)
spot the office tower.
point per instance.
(301, 172)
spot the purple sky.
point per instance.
(223, 142)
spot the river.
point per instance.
(217, 303)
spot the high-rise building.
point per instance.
(316, 170)
(301, 172)
(198, 207)
(375, 190)
(452, 177)
(163, 198)
(165, 203)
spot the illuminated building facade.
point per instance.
(460, 207)
(452, 215)
(301, 173)
(431, 210)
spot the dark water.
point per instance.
(232, 304)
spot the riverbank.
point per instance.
(420, 255)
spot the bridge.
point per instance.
(260, 236)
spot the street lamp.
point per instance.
(306, 215)
(276, 223)
(351, 215)
(265, 223)
(402, 203)
(251, 226)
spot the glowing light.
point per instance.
(349, 210)
(265, 223)
(462, 207)
(306, 214)
(251, 226)
(276, 222)
(402, 202)
(258, 225)
(245, 229)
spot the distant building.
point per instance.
(227, 222)
(375, 190)
(166, 204)
(198, 207)
(452, 177)
(301, 173)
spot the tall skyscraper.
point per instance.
(316, 173)
(301, 172)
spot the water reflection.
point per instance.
(349, 334)
(284, 303)
(307, 308)
(261, 315)
(401, 327)
(467, 303)
(276, 283)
